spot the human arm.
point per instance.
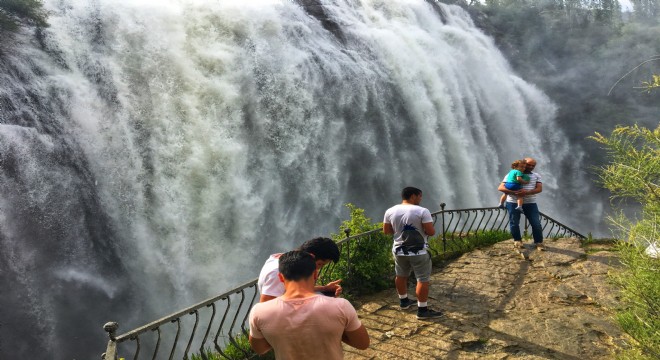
(358, 338)
(427, 223)
(333, 286)
(428, 228)
(537, 189)
(257, 339)
(503, 189)
(355, 334)
(270, 285)
(388, 229)
(522, 180)
(260, 346)
(264, 298)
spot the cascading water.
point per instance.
(154, 152)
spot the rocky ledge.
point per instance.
(557, 304)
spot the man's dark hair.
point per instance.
(297, 265)
(323, 248)
(409, 191)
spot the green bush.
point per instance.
(236, 351)
(371, 266)
(639, 315)
(633, 173)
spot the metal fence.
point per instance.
(457, 224)
(221, 321)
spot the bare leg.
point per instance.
(422, 291)
(401, 284)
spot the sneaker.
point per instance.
(519, 208)
(540, 247)
(426, 313)
(501, 206)
(518, 245)
(406, 303)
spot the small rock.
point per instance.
(372, 307)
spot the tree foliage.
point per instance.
(634, 173)
(634, 168)
(646, 9)
(652, 84)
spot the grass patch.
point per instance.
(640, 298)
(239, 351)
(458, 244)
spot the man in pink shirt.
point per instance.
(302, 324)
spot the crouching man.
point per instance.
(302, 324)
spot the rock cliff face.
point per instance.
(557, 305)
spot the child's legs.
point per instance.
(515, 187)
(502, 198)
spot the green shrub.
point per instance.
(639, 315)
(633, 173)
(371, 266)
(236, 351)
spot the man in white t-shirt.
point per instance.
(302, 324)
(411, 224)
(324, 250)
(529, 207)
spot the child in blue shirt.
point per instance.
(514, 181)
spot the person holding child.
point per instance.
(529, 206)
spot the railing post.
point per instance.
(347, 231)
(111, 350)
(444, 238)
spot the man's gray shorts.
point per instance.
(420, 264)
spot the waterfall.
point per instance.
(153, 152)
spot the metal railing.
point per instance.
(460, 223)
(229, 325)
(201, 318)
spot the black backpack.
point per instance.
(413, 241)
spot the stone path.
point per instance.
(498, 306)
